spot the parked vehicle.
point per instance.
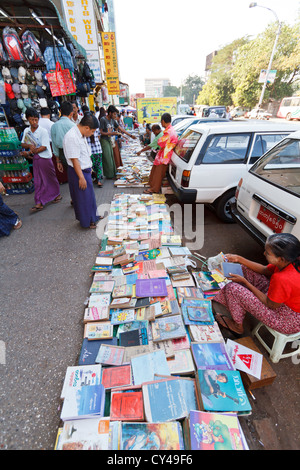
(259, 113)
(288, 106)
(238, 112)
(211, 111)
(209, 159)
(268, 195)
(179, 117)
(181, 126)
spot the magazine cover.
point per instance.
(211, 356)
(151, 436)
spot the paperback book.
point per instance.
(164, 328)
(127, 404)
(211, 356)
(80, 376)
(85, 434)
(151, 436)
(118, 376)
(98, 330)
(83, 402)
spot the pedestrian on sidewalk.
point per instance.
(58, 132)
(8, 218)
(107, 132)
(96, 149)
(161, 163)
(78, 156)
(36, 140)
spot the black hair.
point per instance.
(85, 109)
(66, 108)
(90, 121)
(45, 112)
(156, 126)
(286, 246)
(166, 117)
(112, 109)
(31, 112)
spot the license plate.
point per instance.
(270, 219)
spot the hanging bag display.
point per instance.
(31, 49)
(61, 81)
(12, 45)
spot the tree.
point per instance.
(192, 85)
(171, 91)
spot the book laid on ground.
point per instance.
(171, 327)
(89, 350)
(120, 316)
(102, 287)
(211, 356)
(125, 290)
(133, 338)
(110, 355)
(145, 366)
(85, 434)
(127, 404)
(103, 261)
(84, 402)
(123, 302)
(117, 376)
(222, 390)
(206, 333)
(79, 376)
(197, 311)
(96, 314)
(99, 300)
(151, 288)
(151, 436)
(182, 363)
(168, 399)
(205, 281)
(98, 330)
(213, 431)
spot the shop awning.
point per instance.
(36, 15)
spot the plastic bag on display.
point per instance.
(31, 49)
(61, 81)
(13, 45)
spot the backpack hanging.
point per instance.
(12, 45)
(31, 49)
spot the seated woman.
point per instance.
(270, 293)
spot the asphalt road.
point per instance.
(45, 280)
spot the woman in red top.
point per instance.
(270, 293)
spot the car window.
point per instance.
(187, 144)
(227, 148)
(263, 143)
(281, 166)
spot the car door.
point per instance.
(262, 143)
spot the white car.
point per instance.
(268, 196)
(209, 159)
(259, 113)
(179, 117)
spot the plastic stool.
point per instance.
(280, 340)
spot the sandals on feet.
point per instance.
(36, 209)
(18, 224)
(57, 199)
(226, 323)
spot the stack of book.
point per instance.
(153, 371)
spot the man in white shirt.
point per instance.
(78, 155)
(45, 121)
(36, 140)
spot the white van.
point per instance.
(268, 196)
(209, 159)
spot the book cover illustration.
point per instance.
(214, 431)
(85, 434)
(89, 350)
(211, 356)
(223, 390)
(83, 402)
(98, 330)
(205, 281)
(182, 363)
(206, 333)
(99, 300)
(195, 311)
(102, 287)
(164, 328)
(151, 436)
(120, 316)
(79, 376)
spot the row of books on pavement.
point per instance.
(154, 371)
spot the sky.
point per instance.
(171, 38)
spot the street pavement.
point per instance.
(45, 279)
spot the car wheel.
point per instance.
(288, 116)
(222, 206)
